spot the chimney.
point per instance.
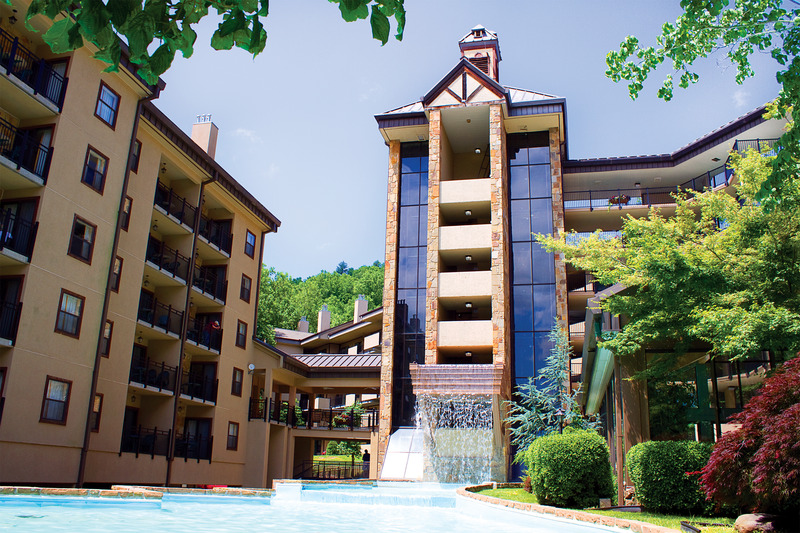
(482, 48)
(204, 133)
(323, 319)
(360, 308)
(302, 325)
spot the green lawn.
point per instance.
(517, 495)
(335, 458)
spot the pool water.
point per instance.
(301, 509)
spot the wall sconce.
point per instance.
(133, 398)
(155, 226)
(468, 305)
(468, 354)
(146, 281)
(468, 213)
(140, 339)
(637, 185)
(477, 150)
(180, 408)
(163, 168)
(468, 258)
(251, 368)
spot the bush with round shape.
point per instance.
(570, 470)
(665, 475)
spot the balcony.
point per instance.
(210, 284)
(465, 239)
(465, 285)
(146, 441)
(465, 334)
(17, 236)
(199, 388)
(216, 235)
(152, 374)
(25, 75)
(193, 446)
(203, 336)
(339, 419)
(9, 322)
(159, 316)
(24, 161)
(180, 211)
(166, 260)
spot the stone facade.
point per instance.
(432, 276)
(558, 226)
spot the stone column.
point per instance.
(432, 281)
(500, 252)
(389, 299)
(558, 226)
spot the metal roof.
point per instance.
(340, 360)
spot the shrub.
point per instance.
(345, 447)
(333, 448)
(665, 475)
(527, 485)
(758, 466)
(570, 470)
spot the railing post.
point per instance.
(38, 84)
(591, 207)
(12, 55)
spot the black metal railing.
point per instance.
(331, 470)
(152, 373)
(17, 234)
(341, 418)
(742, 145)
(257, 409)
(193, 446)
(199, 333)
(23, 148)
(161, 316)
(207, 281)
(575, 238)
(9, 320)
(216, 233)
(168, 259)
(33, 71)
(175, 205)
(145, 441)
(196, 386)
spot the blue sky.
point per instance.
(297, 128)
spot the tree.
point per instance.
(747, 27)
(544, 404)
(342, 268)
(690, 282)
(170, 24)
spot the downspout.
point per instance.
(258, 282)
(107, 296)
(184, 328)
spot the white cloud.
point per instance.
(740, 98)
(249, 135)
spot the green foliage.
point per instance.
(298, 415)
(741, 29)
(333, 448)
(666, 475)
(689, 282)
(283, 299)
(535, 409)
(570, 470)
(344, 447)
(668, 402)
(170, 24)
(351, 415)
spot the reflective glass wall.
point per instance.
(409, 346)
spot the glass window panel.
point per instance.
(410, 164)
(543, 265)
(541, 182)
(423, 188)
(542, 346)
(521, 252)
(520, 220)
(57, 390)
(422, 266)
(544, 307)
(407, 265)
(523, 308)
(541, 216)
(518, 156)
(421, 310)
(409, 189)
(423, 225)
(523, 355)
(409, 224)
(519, 182)
(539, 155)
(423, 163)
(406, 307)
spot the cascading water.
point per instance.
(458, 437)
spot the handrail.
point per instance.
(166, 258)
(194, 446)
(25, 150)
(17, 234)
(195, 386)
(9, 320)
(31, 70)
(161, 316)
(331, 470)
(152, 373)
(175, 205)
(214, 233)
(206, 279)
(147, 441)
(198, 334)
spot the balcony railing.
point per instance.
(200, 333)
(193, 446)
(17, 234)
(198, 387)
(145, 441)
(175, 205)
(207, 281)
(166, 258)
(331, 470)
(742, 145)
(575, 238)
(216, 233)
(34, 72)
(334, 419)
(23, 148)
(153, 374)
(161, 316)
(9, 320)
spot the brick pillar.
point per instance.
(389, 299)
(558, 226)
(500, 252)
(432, 277)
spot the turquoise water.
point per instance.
(406, 509)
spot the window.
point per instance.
(126, 212)
(81, 242)
(116, 273)
(107, 105)
(70, 312)
(56, 400)
(105, 343)
(137, 153)
(250, 244)
(244, 292)
(97, 409)
(241, 334)
(94, 170)
(233, 435)
(236, 384)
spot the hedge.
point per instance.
(665, 475)
(570, 470)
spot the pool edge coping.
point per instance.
(131, 492)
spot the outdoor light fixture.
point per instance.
(133, 398)
(468, 258)
(12, 19)
(251, 368)
(468, 213)
(715, 159)
(468, 354)
(420, 138)
(146, 281)
(477, 150)
(163, 168)
(140, 339)
(468, 305)
(155, 227)
(637, 185)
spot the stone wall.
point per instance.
(558, 226)
(432, 273)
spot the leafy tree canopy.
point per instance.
(283, 299)
(742, 28)
(155, 30)
(690, 282)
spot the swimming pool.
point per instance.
(406, 508)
